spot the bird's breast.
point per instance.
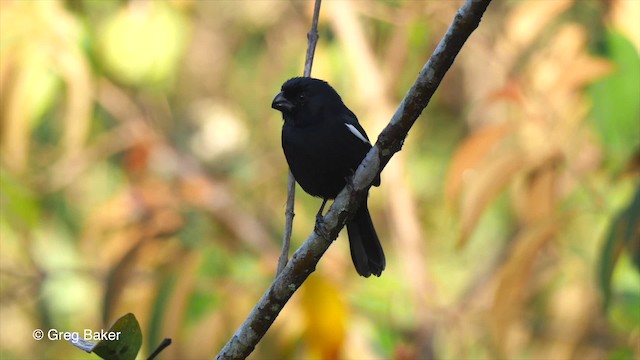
(315, 161)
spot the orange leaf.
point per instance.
(536, 197)
(470, 154)
(483, 186)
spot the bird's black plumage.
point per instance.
(324, 144)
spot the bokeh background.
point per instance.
(141, 171)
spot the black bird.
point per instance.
(324, 144)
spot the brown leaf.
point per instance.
(118, 277)
(469, 156)
(513, 279)
(483, 185)
(535, 197)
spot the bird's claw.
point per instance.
(320, 228)
(349, 181)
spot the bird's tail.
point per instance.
(366, 251)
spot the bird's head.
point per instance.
(303, 100)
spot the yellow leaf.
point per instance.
(41, 43)
(325, 314)
(143, 43)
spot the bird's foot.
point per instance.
(349, 181)
(320, 228)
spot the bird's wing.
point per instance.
(357, 133)
(351, 121)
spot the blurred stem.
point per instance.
(312, 38)
(288, 229)
(166, 342)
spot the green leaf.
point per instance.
(624, 233)
(623, 353)
(17, 202)
(126, 345)
(616, 108)
(159, 309)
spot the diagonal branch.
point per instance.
(304, 260)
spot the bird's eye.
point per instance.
(301, 97)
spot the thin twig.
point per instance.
(304, 260)
(312, 40)
(288, 227)
(166, 342)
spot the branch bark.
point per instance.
(304, 260)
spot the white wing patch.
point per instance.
(357, 133)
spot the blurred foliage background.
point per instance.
(141, 171)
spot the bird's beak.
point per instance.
(281, 103)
